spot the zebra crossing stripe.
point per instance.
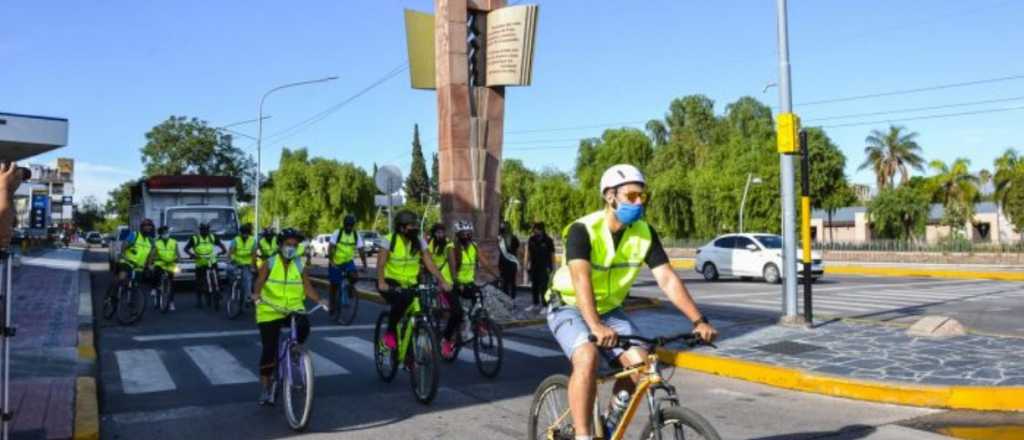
(325, 367)
(354, 344)
(531, 350)
(832, 307)
(883, 302)
(219, 366)
(142, 371)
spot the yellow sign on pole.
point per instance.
(419, 37)
(787, 132)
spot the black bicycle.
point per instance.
(125, 300)
(238, 300)
(477, 329)
(345, 304)
(163, 294)
(210, 288)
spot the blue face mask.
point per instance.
(628, 213)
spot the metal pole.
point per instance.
(786, 165)
(805, 224)
(5, 412)
(743, 201)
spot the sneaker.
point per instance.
(389, 341)
(265, 397)
(447, 348)
(172, 306)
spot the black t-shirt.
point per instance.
(511, 245)
(541, 248)
(577, 245)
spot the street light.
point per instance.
(750, 179)
(259, 137)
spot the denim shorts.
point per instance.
(571, 331)
(336, 273)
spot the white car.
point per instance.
(749, 255)
(320, 245)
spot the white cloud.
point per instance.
(98, 179)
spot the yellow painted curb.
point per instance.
(952, 397)
(87, 414)
(86, 349)
(920, 272)
(682, 264)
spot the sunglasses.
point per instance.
(636, 196)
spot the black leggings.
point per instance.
(539, 285)
(464, 291)
(398, 299)
(270, 333)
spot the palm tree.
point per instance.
(1008, 167)
(890, 153)
(957, 189)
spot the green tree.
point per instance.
(890, 153)
(901, 213)
(555, 201)
(671, 205)
(830, 189)
(88, 214)
(840, 198)
(435, 179)
(189, 146)
(658, 132)
(516, 186)
(622, 145)
(119, 200)
(417, 186)
(957, 190)
(1007, 182)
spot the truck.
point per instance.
(182, 203)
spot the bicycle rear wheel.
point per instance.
(233, 307)
(549, 413)
(678, 423)
(131, 305)
(298, 388)
(426, 365)
(165, 294)
(488, 348)
(110, 302)
(385, 359)
(348, 304)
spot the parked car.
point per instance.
(372, 242)
(94, 237)
(116, 243)
(320, 244)
(749, 255)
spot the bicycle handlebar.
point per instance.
(627, 341)
(287, 312)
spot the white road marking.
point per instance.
(219, 366)
(833, 307)
(142, 371)
(357, 345)
(220, 334)
(325, 367)
(531, 350)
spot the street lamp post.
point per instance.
(743, 202)
(259, 138)
(786, 174)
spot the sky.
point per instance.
(117, 68)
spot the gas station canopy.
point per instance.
(24, 136)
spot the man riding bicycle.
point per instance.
(398, 268)
(284, 283)
(603, 255)
(243, 257)
(166, 260)
(462, 263)
(200, 248)
(345, 243)
(138, 253)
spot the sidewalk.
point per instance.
(44, 354)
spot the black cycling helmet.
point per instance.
(267, 231)
(146, 222)
(288, 233)
(350, 220)
(204, 227)
(247, 229)
(162, 230)
(405, 218)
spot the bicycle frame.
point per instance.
(414, 310)
(284, 354)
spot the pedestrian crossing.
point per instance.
(142, 371)
(873, 299)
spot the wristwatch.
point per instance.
(703, 320)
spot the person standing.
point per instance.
(540, 262)
(508, 261)
(167, 259)
(201, 249)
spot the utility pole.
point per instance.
(789, 308)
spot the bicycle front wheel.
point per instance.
(680, 423)
(348, 304)
(488, 348)
(165, 294)
(549, 416)
(234, 305)
(131, 305)
(425, 371)
(298, 388)
(384, 358)
(110, 302)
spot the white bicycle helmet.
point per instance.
(621, 174)
(463, 226)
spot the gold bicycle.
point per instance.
(550, 418)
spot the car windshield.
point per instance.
(369, 235)
(770, 241)
(184, 223)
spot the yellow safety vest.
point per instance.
(612, 271)
(467, 265)
(283, 289)
(243, 251)
(345, 248)
(268, 248)
(403, 264)
(166, 254)
(137, 254)
(203, 248)
(440, 260)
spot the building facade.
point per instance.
(852, 225)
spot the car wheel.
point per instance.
(710, 272)
(771, 274)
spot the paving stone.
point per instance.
(869, 364)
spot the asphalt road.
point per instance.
(191, 374)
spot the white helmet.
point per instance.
(463, 226)
(619, 175)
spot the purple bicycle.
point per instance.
(294, 372)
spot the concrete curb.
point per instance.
(87, 414)
(363, 294)
(978, 398)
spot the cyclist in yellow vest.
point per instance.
(243, 256)
(345, 244)
(284, 282)
(166, 259)
(267, 245)
(138, 254)
(398, 267)
(200, 248)
(461, 265)
(604, 252)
